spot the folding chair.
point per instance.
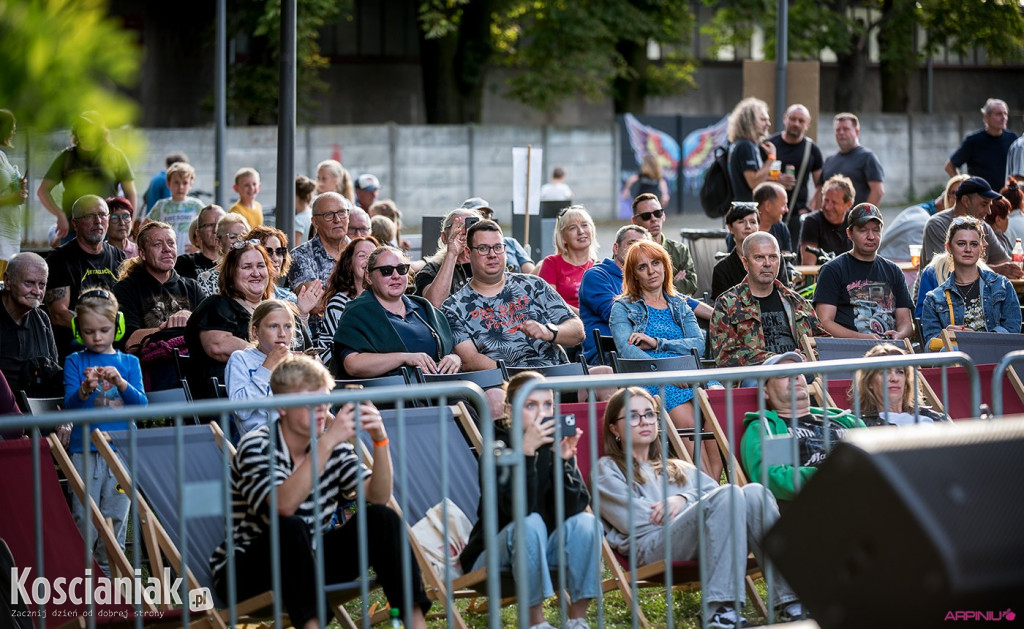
(987, 349)
(604, 344)
(643, 365)
(63, 547)
(829, 348)
(156, 479)
(685, 573)
(39, 405)
(485, 378)
(618, 579)
(575, 368)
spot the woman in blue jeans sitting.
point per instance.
(972, 298)
(579, 530)
(651, 320)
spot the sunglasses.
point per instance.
(646, 216)
(281, 252)
(387, 270)
(240, 244)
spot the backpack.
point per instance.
(716, 191)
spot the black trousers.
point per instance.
(341, 563)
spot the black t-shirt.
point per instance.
(793, 155)
(146, 303)
(460, 277)
(216, 312)
(985, 156)
(745, 156)
(728, 272)
(20, 343)
(192, 264)
(72, 267)
(778, 336)
(810, 434)
(817, 229)
(865, 294)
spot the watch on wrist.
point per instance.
(554, 330)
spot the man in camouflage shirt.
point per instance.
(759, 317)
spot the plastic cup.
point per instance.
(915, 255)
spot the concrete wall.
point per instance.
(428, 170)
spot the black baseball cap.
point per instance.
(863, 213)
(976, 185)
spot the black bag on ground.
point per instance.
(716, 191)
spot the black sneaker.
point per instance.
(790, 612)
(726, 618)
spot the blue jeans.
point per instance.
(583, 576)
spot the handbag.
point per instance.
(429, 534)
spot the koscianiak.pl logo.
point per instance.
(104, 590)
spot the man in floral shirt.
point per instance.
(759, 317)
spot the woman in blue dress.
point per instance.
(651, 320)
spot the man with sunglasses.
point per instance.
(648, 213)
(314, 260)
(88, 261)
(192, 264)
(509, 316)
(150, 292)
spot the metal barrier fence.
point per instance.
(1004, 365)
(493, 460)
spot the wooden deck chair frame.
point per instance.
(721, 436)
(950, 343)
(159, 544)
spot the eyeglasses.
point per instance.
(240, 244)
(635, 419)
(121, 218)
(362, 231)
(330, 217)
(280, 252)
(230, 235)
(100, 216)
(646, 216)
(387, 270)
(487, 249)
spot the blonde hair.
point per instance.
(299, 373)
(949, 196)
(650, 167)
(345, 187)
(745, 120)
(614, 449)
(265, 309)
(571, 213)
(446, 232)
(382, 228)
(185, 170)
(232, 217)
(97, 301)
(242, 172)
(871, 399)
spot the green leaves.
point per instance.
(62, 57)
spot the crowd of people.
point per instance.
(96, 321)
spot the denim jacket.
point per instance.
(631, 316)
(998, 298)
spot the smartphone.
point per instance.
(567, 424)
(470, 221)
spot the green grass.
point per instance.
(685, 610)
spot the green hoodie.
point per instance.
(780, 477)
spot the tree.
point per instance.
(63, 57)
(253, 78)
(560, 49)
(846, 26)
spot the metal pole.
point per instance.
(286, 122)
(220, 90)
(781, 61)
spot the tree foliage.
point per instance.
(63, 57)
(253, 79)
(845, 27)
(562, 49)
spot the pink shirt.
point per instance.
(565, 277)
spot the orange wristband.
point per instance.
(379, 444)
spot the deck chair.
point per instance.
(156, 479)
(39, 405)
(618, 579)
(63, 548)
(829, 348)
(713, 407)
(988, 348)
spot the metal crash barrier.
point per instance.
(195, 503)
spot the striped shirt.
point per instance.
(251, 484)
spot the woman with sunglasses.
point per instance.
(347, 281)
(640, 515)
(576, 247)
(972, 298)
(384, 329)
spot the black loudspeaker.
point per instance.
(910, 527)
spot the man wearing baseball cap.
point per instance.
(810, 421)
(516, 257)
(860, 294)
(973, 198)
(367, 189)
